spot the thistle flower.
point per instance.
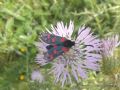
(79, 59)
(109, 45)
(37, 76)
(110, 51)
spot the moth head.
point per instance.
(69, 43)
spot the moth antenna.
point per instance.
(86, 45)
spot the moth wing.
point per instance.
(55, 52)
(52, 39)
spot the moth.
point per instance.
(57, 45)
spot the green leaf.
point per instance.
(9, 24)
(15, 15)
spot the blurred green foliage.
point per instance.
(21, 21)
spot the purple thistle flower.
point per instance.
(109, 45)
(79, 59)
(110, 55)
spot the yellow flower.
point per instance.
(23, 49)
(22, 77)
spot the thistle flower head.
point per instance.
(110, 55)
(79, 59)
(37, 76)
(109, 45)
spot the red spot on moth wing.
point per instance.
(48, 57)
(55, 51)
(48, 36)
(53, 39)
(51, 57)
(65, 49)
(55, 46)
(62, 39)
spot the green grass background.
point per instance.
(21, 21)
